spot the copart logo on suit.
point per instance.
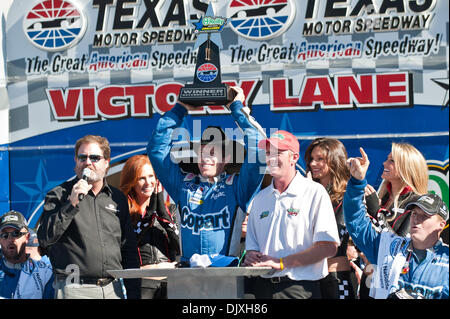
(212, 221)
(54, 25)
(261, 19)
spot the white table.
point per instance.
(198, 283)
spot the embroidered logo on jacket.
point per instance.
(293, 211)
(229, 180)
(398, 244)
(264, 214)
(197, 196)
(112, 208)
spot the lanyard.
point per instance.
(405, 268)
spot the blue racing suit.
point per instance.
(32, 279)
(211, 214)
(397, 265)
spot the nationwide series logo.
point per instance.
(210, 24)
(438, 182)
(54, 25)
(260, 19)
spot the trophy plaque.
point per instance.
(207, 87)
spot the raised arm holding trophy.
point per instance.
(207, 88)
(212, 201)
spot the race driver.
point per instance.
(212, 203)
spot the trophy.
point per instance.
(207, 88)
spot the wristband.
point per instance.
(281, 264)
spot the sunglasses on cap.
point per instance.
(93, 158)
(14, 234)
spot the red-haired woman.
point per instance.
(158, 241)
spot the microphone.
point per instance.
(84, 175)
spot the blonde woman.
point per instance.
(405, 174)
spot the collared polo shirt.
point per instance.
(283, 224)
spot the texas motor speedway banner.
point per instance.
(366, 72)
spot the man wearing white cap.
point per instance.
(291, 226)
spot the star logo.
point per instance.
(443, 83)
(35, 190)
(198, 25)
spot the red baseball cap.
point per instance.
(281, 140)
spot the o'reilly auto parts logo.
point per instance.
(260, 19)
(54, 25)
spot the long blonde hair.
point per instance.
(411, 167)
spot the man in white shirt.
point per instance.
(291, 226)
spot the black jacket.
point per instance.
(95, 236)
(396, 221)
(343, 233)
(157, 233)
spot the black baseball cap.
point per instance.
(215, 135)
(13, 219)
(431, 204)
